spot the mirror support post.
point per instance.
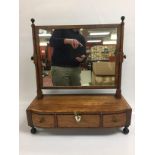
(39, 91)
(118, 91)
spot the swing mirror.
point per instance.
(89, 64)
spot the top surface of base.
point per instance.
(78, 103)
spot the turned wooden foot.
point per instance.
(125, 130)
(33, 130)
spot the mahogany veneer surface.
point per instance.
(78, 103)
(43, 120)
(114, 120)
(86, 121)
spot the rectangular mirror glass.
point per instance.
(78, 57)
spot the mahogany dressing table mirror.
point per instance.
(91, 58)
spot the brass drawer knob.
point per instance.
(77, 117)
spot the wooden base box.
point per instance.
(79, 111)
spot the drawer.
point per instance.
(114, 120)
(78, 121)
(45, 121)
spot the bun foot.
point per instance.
(125, 130)
(33, 130)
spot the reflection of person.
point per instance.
(69, 50)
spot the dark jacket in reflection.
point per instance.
(63, 54)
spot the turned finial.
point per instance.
(122, 18)
(32, 20)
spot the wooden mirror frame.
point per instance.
(119, 56)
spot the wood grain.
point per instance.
(45, 121)
(65, 121)
(115, 120)
(79, 103)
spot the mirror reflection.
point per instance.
(78, 57)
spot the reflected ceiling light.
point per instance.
(109, 42)
(44, 35)
(93, 41)
(42, 31)
(98, 33)
(113, 37)
(43, 44)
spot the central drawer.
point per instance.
(75, 121)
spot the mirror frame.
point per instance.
(119, 55)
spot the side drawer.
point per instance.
(45, 121)
(114, 120)
(84, 121)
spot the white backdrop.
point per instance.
(74, 12)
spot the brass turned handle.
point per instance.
(124, 56)
(77, 117)
(32, 58)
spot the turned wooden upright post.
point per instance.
(121, 56)
(35, 59)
